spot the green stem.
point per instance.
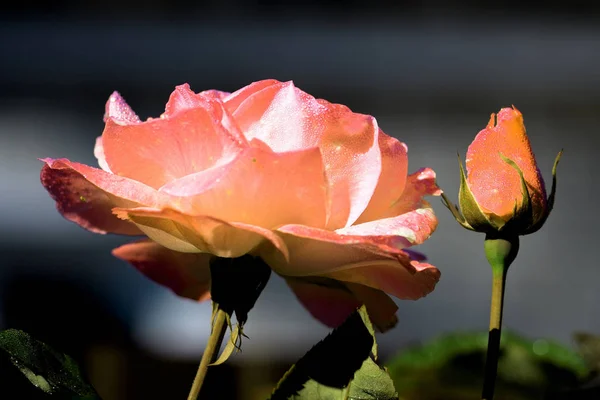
(500, 252)
(210, 352)
(493, 350)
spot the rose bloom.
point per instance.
(320, 193)
(496, 186)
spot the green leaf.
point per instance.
(55, 375)
(314, 390)
(364, 316)
(451, 367)
(340, 367)
(372, 382)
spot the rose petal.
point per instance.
(374, 261)
(348, 141)
(329, 304)
(182, 99)
(392, 278)
(188, 275)
(118, 110)
(279, 108)
(416, 220)
(161, 230)
(495, 184)
(350, 147)
(233, 101)
(394, 168)
(409, 229)
(215, 94)
(186, 140)
(187, 233)
(259, 188)
(86, 195)
(99, 154)
(415, 255)
(380, 307)
(418, 185)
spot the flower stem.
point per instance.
(210, 352)
(500, 252)
(493, 350)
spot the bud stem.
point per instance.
(500, 252)
(210, 352)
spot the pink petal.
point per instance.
(394, 168)
(182, 99)
(392, 277)
(215, 94)
(330, 305)
(350, 147)
(332, 302)
(409, 229)
(286, 119)
(99, 154)
(381, 308)
(186, 233)
(233, 101)
(258, 188)
(374, 261)
(194, 134)
(87, 195)
(415, 220)
(281, 116)
(188, 275)
(418, 185)
(118, 110)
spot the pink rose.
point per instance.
(318, 192)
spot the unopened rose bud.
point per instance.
(503, 189)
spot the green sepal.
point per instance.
(455, 213)
(522, 217)
(236, 284)
(233, 345)
(550, 202)
(472, 213)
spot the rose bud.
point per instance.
(503, 190)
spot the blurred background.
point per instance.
(431, 72)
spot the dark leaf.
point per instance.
(55, 375)
(341, 366)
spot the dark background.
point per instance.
(430, 71)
